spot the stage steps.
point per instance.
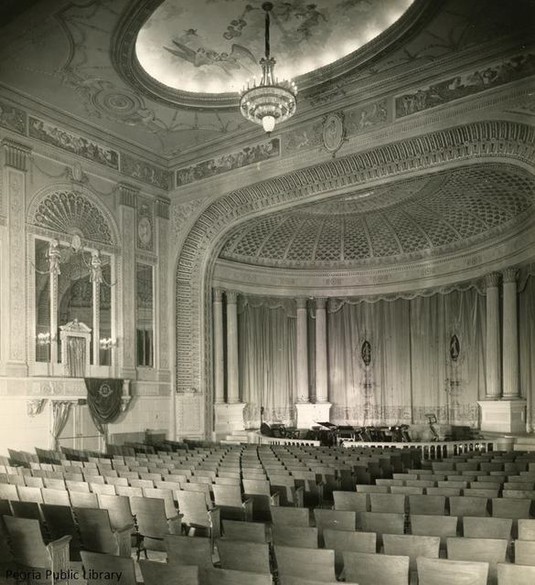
(238, 437)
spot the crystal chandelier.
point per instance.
(270, 101)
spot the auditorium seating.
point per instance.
(474, 517)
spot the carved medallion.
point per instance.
(144, 231)
(333, 132)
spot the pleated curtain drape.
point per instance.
(60, 416)
(267, 352)
(411, 372)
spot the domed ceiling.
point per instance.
(214, 46)
(413, 218)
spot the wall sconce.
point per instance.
(43, 338)
(107, 343)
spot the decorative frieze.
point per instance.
(248, 155)
(73, 143)
(13, 118)
(465, 84)
(145, 172)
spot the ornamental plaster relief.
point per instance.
(507, 142)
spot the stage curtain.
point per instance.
(267, 357)
(76, 356)
(60, 416)
(526, 334)
(104, 400)
(411, 371)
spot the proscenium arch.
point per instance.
(491, 141)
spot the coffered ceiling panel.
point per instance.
(415, 218)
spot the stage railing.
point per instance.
(264, 440)
(431, 449)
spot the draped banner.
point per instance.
(104, 400)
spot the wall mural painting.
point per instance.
(145, 172)
(12, 118)
(465, 84)
(70, 142)
(227, 162)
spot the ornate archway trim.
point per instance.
(491, 140)
(41, 195)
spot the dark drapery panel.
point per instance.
(104, 400)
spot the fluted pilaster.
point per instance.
(219, 358)
(302, 351)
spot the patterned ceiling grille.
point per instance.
(441, 211)
(66, 213)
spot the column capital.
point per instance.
(127, 194)
(510, 275)
(16, 154)
(232, 297)
(301, 303)
(217, 295)
(321, 303)
(492, 279)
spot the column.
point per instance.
(127, 295)
(14, 338)
(219, 358)
(228, 415)
(302, 352)
(233, 389)
(493, 357)
(321, 351)
(510, 336)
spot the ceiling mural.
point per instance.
(207, 46)
(418, 216)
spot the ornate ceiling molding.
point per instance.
(485, 141)
(130, 70)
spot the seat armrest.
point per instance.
(275, 499)
(247, 506)
(299, 496)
